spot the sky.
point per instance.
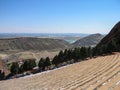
(58, 16)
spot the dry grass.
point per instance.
(29, 54)
(2, 56)
(101, 73)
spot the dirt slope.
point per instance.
(101, 73)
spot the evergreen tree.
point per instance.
(2, 75)
(65, 55)
(110, 47)
(21, 69)
(32, 64)
(89, 52)
(113, 45)
(41, 64)
(96, 51)
(104, 49)
(79, 54)
(74, 54)
(69, 54)
(14, 68)
(83, 53)
(29, 65)
(60, 57)
(26, 65)
(47, 62)
(55, 61)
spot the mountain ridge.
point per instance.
(90, 40)
(113, 36)
(115, 29)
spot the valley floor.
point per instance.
(101, 73)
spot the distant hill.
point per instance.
(90, 40)
(29, 43)
(112, 37)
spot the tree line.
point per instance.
(107, 48)
(28, 64)
(64, 57)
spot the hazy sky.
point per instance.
(58, 16)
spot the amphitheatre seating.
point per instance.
(91, 76)
(101, 73)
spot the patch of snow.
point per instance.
(118, 83)
(104, 83)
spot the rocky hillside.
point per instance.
(90, 40)
(112, 37)
(28, 43)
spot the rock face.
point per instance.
(28, 43)
(90, 40)
(113, 35)
(1, 64)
